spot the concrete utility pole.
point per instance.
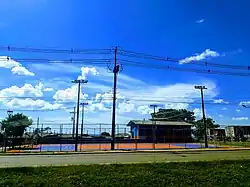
(83, 104)
(37, 123)
(201, 88)
(73, 128)
(155, 126)
(77, 107)
(115, 71)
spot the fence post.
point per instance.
(60, 137)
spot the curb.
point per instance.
(125, 152)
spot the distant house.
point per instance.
(237, 131)
(164, 131)
(218, 133)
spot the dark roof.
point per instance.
(149, 122)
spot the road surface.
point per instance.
(108, 158)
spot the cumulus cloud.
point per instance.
(19, 70)
(197, 113)
(27, 90)
(239, 118)
(126, 107)
(32, 104)
(144, 109)
(16, 67)
(202, 56)
(68, 94)
(22, 97)
(86, 71)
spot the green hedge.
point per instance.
(206, 174)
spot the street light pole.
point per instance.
(83, 104)
(74, 119)
(77, 110)
(201, 88)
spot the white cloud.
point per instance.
(220, 101)
(224, 108)
(237, 110)
(126, 107)
(200, 21)
(220, 115)
(16, 67)
(48, 89)
(177, 106)
(68, 94)
(31, 104)
(245, 103)
(204, 55)
(86, 71)
(97, 107)
(27, 90)
(197, 113)
(239, 118)
(19, 70)
(145, 109)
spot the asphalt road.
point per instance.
(109, 158)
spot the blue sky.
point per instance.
(179, 29)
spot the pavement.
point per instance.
(115, 158)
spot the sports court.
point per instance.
(118, 146)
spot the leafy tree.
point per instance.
(200, 129)
(174, 115)
(15, 125)
(105, 134)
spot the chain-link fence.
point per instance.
(97, 137)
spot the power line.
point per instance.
(50, 50)
(95, 61)
(175, 60)
(144, 65)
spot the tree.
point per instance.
(105, 134)
(15, 125)
(200, 129)
(174, 115)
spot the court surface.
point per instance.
(118, 146)
(115, 158)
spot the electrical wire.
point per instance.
(50, 50)
(54, 61)
(168, 59)
(144, 65)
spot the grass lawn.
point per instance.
(227, 143)
(216, 173)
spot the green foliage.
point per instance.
(15, 124)
(174, 115)
(200, 129)
(220, 173)
(105, 134)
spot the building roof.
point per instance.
(149, 122)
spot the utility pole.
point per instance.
(83, 104)
(77, 107)
(115, 71)
(37, 123)
(155, 126)
(201, 88)
(73, 128)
